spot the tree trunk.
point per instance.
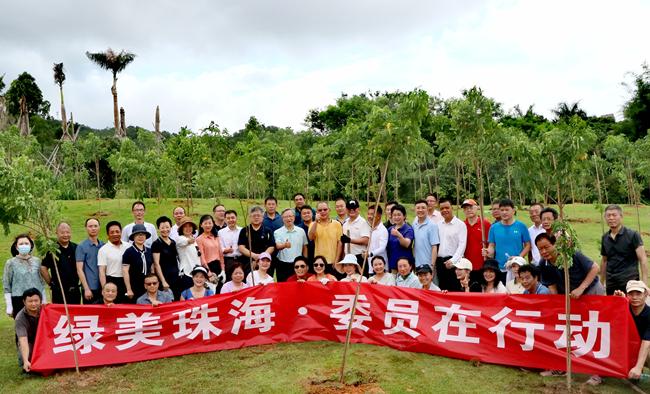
(116, 119)
(23, 120)
(156, 125)
(122, 122)
(509, 183)
(64, 120)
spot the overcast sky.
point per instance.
(228, 60)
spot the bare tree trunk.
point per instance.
(396, 186)
(64, 120)
(435, 174)
(23, 119)
(487, 177)
(509, 183)
(156, 124)
(122, 122)
(116, 119)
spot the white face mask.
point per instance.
(24, 249)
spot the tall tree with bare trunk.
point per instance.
(59, 78)
(115, 63)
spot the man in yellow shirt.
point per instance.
(326, 234)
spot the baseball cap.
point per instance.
(636, 285)
(264, 255)
(463, 264)
(469, 202)
(352, 204)
(424, 269)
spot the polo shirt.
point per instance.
(425, 236)
(272, 224)
(474, 244)
(622, 263)
(327, 238)
(26, 326)
(168, 259)
(298, 239)
(410, 281)
(128, 229)
(453, 238)
(67, 265)
(642, 323)
(261, 239)
(533, 232)
(110, 256)
(540, 289)
(395, 250)
(508, 240)
(87, 253)
(358, 228)
(552, 275)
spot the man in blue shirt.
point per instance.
(529, 277)
(272, 219)
(86, 258)
(425, 244)
(507, 238)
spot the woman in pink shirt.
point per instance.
(209, 245)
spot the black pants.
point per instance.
(446, 276)
(121, 289)
(72, 295)
(97, 297)
(18, 304)
(363, 267)
(284, 270)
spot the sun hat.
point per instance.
(516, 260)
(348, 259)
(463, 264)
(186, 220)
(139, 229)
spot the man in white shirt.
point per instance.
(290, 242)
(535, 211)
(432, 203)
(356, 233)
(179, 213)
(109, 259)
(379, 235)
(229, 236)
(138, 210)
(453, 238)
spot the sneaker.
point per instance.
(552, 372)
(594, 380)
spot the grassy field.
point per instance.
(291, 368)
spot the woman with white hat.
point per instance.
(198, 289)
(188, 252)
(514, 285)
(350, 267)
(463, 270)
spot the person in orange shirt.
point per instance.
(210, 247)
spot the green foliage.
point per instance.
(25, 85)
(567, 243)
(637, 110)
(111, 60)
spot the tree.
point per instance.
(637, 110)
(115, 63)
(2, 83)
(59, 78)
(565, 111)
(25, 86)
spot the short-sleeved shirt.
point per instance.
(67, 265)
(87, 253)
(358, 228)
(168, 258)
(273, 224)
(163, 296)
(425, 236)
(26, 326)
(395, 250)
(642, 323)
(411, 281)
(261, 239)
(298, 213)
(622, 262)
(540, 289)
(139, 262)
(474, 245)
(298, 239)
(327, 238)
(187, 293)
(509, 240)
(110, 256)
(551, 275)
(128, 229)
(310, 243)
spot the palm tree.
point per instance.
(59, 78)
(115, 63)
(566, 111)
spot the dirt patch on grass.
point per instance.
(98, 214)
(355, 381)
(70, 381)
(581, 220)
(647, 234)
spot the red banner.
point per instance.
(525, 330)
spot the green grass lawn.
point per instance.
(290, 368)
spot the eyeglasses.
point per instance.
(150, 283)
(299, 266)
(323, 209)
(319, 265)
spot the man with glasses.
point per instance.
(219, 214)
(153, 296)
(261, 239)
(356, 233)
(291, 242)
(326, 234)
(301, 271)
(138, 210)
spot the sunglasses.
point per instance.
(319, 265)
(150, 283)
(300, 266)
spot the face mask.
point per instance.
(24, 249)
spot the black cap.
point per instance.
(424, 269)
(352, 204)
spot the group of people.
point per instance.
(178, 259)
